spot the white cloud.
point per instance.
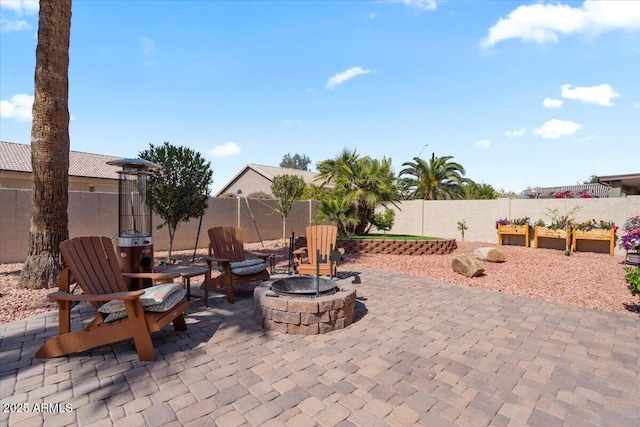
(636, 105)
(590, 137)
(18, 107)
(511, 133)
(27, 7)
(417, 4)
(554, 129)
(552, 103)
(543, 23)
(372, 15)
(483, 143)
(291, 121)
(225, 150)
(19, 8)
(342, 77)
(147, 46)
(8, 25)
(600, 95)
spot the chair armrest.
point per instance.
(258, 255)
(210, 259)
(65, 296)
(300, 251)
(168, 275)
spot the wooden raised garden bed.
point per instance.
(549, 233)
(518, 230)
(594, 234)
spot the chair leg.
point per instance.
(229, 290)
(179, 323)
(206, 294)
(140, 331)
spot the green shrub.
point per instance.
(633, 279)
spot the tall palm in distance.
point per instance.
(436, 179)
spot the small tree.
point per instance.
(475, 191)
(314, 192)
(296, 162)
(382, 221)
(462, 227)
(180, 190)
(288, 189)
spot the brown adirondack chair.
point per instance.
(226, 249)
(93, 264)
(323, 238)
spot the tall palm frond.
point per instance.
(438, 179)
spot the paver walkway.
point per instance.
(419, 353)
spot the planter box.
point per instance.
(521, 230)
(595, 234)
(549, 233)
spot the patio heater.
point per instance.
(134, 243)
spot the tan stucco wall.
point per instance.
(96, 214)
(440, 218)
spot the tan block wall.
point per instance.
(439, 218)
(96, 214)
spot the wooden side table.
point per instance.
(186, 273)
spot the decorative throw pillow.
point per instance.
(245, 263)
(152, 296)
(116, 315)
(165, 305)
(247, 271)
(168, 303)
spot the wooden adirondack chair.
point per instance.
(93, 264)
(226, 249)
(323, 238)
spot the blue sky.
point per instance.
(520, 93)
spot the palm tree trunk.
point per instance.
(49, 147)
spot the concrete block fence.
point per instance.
(97, 214)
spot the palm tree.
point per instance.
(49, 147)
(362, 181)
(338, 211)
(437, 179)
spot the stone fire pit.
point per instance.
(304, 315)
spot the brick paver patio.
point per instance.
(419, 353)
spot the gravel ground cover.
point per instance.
(585, 279)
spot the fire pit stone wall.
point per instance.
(305, 316)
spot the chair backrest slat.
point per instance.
(320, 237)
(94, 265)
(226, 242)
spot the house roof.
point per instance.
(17, 158)
(628, 180)
(269, 172)
(596, 190)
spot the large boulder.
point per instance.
(467, 266)
(489, 254)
